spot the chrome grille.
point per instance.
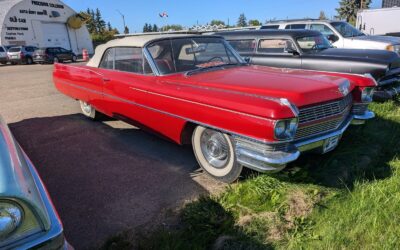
(324, 110)
(340, 109)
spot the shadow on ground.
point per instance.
(104, 180)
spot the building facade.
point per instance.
(390, 3)
(41, 23)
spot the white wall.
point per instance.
(23, 25)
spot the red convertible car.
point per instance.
(197, 90)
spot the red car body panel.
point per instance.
(241, 100)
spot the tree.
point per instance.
(126, 30)
(322, 15)
(242, 21)
(173, 27)
(217, 22)
(90, 24)
(254, 23)
(99, 22)
(348, 9)
(155, 28)
(109, 28)
(146, 28)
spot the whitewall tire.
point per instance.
(89, 111)
(215, 153)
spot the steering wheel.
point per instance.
(315, 47)
(215, 58)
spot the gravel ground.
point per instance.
(104, 177)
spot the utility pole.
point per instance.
(123, 19)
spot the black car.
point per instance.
(53, 55)
(310, 50)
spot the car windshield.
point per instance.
(313, 44)
(346, 29)
(192, 54)
(14, 49)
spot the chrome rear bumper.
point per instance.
(275, 157)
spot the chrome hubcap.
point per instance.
(215, 148)
(86, 108)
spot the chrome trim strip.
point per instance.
(169, 114)
(201, 104)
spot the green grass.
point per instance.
(347, 199)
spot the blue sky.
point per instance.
(188, 13)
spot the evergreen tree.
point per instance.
(109, 26)
(155, 28)
(348, 9)
(99, 22)
(322, 15)
(242, 21)
(126, 30)
(90, 24)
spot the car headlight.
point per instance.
(17, 221)
(286, 129)
(366, 94)
(10, 218)
(395, 48)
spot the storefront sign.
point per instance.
(52, 5)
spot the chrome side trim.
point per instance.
(167, 113)
(201, 104)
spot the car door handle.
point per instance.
(106, 79)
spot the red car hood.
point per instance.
(300, 87)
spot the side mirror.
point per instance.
(333, 38)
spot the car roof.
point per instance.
(280, 33)
(134, 41)
(276, 22)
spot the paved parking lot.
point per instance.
(104, 177)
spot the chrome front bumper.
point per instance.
(273, 158)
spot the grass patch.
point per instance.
(347, 199)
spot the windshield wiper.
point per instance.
(203, 69)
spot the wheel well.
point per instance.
(187, 132)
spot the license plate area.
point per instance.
(331, 143)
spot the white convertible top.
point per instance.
(131, 41)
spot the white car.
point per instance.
(341, 34)
(3, 55)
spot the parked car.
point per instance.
(341, 34)
(21, 54)
(53, 55)
(3, 55)
(197, 90)
(310, 50)
(28, 219)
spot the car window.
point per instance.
(248, 45)
(270, 27)
(313, 44)
(187, 54)
(1, 49)
(108, 59)
(274, 45)
(325, 30)
(63, 50)
(29, 49)
(14, 49)
(129, 59)
(295, 27)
